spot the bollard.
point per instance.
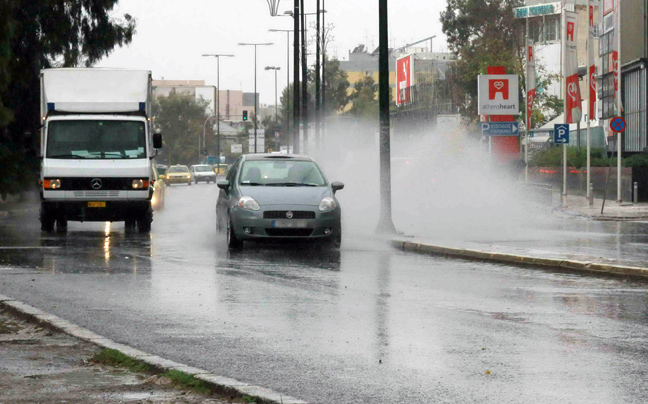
(591, 194)
(635, 189)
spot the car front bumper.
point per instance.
(252, 225)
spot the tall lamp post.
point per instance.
(256, 107)
(217, 56)
(385, 224)
(276, 69)
(287, 31)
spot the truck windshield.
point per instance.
(87, 139)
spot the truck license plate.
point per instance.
(96, 204)
(288, 223)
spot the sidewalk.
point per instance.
(578, 206)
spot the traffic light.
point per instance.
(245, 115)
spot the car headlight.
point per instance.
(327, 204)
(248, 203)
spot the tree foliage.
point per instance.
(40, 34)
(481, 33)
(365, 102)
(181, 120)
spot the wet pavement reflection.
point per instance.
(362, 324)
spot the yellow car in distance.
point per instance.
(220, 169)
(178, 174)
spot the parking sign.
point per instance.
(561, 133)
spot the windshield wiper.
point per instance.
(252, 184)
(66, 156)
(292, 184)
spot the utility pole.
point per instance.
(385, 223)
(287, 127)
(217, 56)
(317, 79)
(304, 66)
(256, 100)
(296, 103)
(323, 123)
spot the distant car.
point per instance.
(203, 173)
(178, 174)
(220, 169)
(159, 190)
(161, 170)
(272, 196)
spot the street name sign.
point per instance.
(499, 94)
(561, 133)
(500, 128)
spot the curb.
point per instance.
(600, 218)
(219, 384)
(477, 255)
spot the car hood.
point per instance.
(177, 174)
(286, 195)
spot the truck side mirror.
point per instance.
(157, 140)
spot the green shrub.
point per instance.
(552, 157)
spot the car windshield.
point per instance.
(180, 169)
(281, 173)
(92, 139)
(162, 170)
(202, 169)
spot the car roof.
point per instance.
(276, 157)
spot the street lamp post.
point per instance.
(256, 107)
(217, 56)
(287, 31)
(385, 224)
(276, 69)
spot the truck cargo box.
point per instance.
(96, 90)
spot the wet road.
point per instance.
(366, 324)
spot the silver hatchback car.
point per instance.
(278, 196)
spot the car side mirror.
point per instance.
(223, 184)
(336, 185)
(157, 140)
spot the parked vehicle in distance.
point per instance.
(278, 196)
(96, 147)
(220, 169)
(159, 190)
(203, 173)
(178, 174)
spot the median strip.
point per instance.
(556, 263)
(123, 355)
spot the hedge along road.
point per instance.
(365, 324)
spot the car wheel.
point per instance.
(336, 241)
(233, 243)
(47, 219)
(189, 183)
(196, 180)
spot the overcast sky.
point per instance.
(172, 35)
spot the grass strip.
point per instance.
(187, 381)
(115, 358)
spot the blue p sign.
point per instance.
(561, 133)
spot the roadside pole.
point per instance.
(385, 223)
(619, 105)
(590, 10)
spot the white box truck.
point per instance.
(97, 147)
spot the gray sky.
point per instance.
(172, 35)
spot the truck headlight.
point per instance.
(140, 184)
(248, 203)
(52, 184)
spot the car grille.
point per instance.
(97, 194)
(289, 232)
(281, 214)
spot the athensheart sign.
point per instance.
(498, 94)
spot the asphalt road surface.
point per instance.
(366, 324)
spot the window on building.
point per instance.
(552, 28)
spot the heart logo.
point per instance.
(571, 90)
(498, 85)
